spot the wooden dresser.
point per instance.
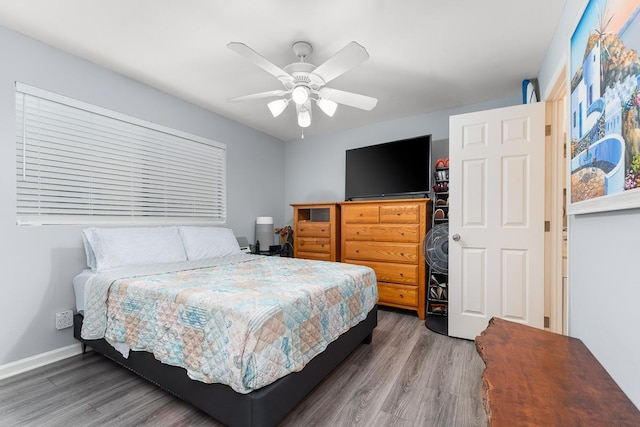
(316, 231)
(386, 235)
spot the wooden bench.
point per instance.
(538, 378)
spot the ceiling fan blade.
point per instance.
(350, 56)
(253, 56)
(348, 98)
(259, 95)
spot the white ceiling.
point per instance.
(425, 55)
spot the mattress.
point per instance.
(243, 322)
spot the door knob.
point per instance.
(455, 237)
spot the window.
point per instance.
(81, 164)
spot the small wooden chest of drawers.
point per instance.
(387, 236)
(316, 231)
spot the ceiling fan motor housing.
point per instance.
(301, 73)
(301, 49)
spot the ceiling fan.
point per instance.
(304, 82)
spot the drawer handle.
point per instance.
(401, 253)
(357, 251)
(357, 232)
(401, 274)
(322, 246)
(401, 295)
(322, 229)
(360, 213)
(398, 213)
(402, 233)
(301, 229)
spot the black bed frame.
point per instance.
(260, 408)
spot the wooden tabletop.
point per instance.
(538, 378)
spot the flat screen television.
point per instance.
(391, 169)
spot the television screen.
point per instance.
(394, 168)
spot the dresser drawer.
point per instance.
(408, 213)
(407, 253)
(313, 244)
(397, 294)
(313, 229)
(390, 272)
(361, 214)
(382, 233)
(318, 256)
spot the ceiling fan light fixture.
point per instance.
(304, 118)
(278, 106)
(306, 82)
(327, 106)
(300, 95)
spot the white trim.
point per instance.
(35, 221)
(551, 89)
(557, 106)
(619, 201)
(557, 209)
(33, 362)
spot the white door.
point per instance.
(496, 218)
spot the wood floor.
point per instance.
(408, 376)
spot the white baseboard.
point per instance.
(33, 362)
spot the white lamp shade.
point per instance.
(304, 118)
(278, 106)
(264, 232)
(327, 106)
(300, 95)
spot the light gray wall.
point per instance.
(314, 168)
(604, 284)
(38, 263)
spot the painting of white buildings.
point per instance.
(605, 100)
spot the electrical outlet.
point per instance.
(64, 319)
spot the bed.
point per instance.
(242, 337)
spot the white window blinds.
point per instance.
(81, 164)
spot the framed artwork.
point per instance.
(604, 118)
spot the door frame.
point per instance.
(556, 270)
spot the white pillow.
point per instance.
(122, 247)
(208, 242)
(91, 257)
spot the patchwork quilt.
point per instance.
(243, 321)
